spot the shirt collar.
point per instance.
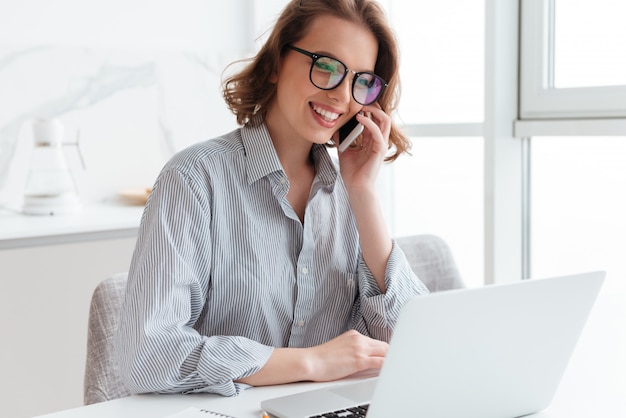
(262, 159)
(261, 156)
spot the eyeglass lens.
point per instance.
(327, 73)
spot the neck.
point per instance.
(293, 152)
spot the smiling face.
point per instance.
(302, 112)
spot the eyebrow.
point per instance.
(331, 55)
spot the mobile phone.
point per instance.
(348, 133)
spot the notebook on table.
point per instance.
(494, 351)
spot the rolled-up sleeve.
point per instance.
(375, 312)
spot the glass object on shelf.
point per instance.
(50, 187)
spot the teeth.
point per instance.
(328, 116)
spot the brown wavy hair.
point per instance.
(249, 93)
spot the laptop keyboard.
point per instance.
(356, 412)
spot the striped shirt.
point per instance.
(224, 271)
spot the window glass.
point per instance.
(590, 37)
(578, 224)
(578, 198)
(442, 54)
(439, 190)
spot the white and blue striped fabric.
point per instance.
(224, 271)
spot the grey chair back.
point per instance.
(102, 381)
(429, 256)
(431, 259)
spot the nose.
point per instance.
(343, 92)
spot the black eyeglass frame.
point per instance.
(317, 57)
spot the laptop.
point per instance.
(493, 351)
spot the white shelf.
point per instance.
(94, 222)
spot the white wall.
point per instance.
(138, 80)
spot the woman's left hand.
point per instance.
(360, 163)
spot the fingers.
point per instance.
(370, 346)
(380, 118)
(377, 123)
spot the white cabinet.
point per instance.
(49, 267)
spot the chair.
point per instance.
(428, 255)
(432, 261)
(102, 381)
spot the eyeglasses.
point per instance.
(327, 73)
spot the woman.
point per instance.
(258, 260)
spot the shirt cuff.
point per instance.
(228, 359)
(383, 309)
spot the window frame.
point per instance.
(539, 99)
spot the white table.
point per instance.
(577, 397)
(247, 405)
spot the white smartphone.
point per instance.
(348, 133)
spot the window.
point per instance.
(578, 224)
(441, 46)
(439, 188)
(573, 62)
(578, 204)
(589, 39)
(573, 113)
(573, 155)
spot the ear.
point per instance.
(276, 73)
(274, 77)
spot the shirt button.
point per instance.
(300, 322)
(283, 180)
(350, 282)
(304, 270)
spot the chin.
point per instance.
(322, 141)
